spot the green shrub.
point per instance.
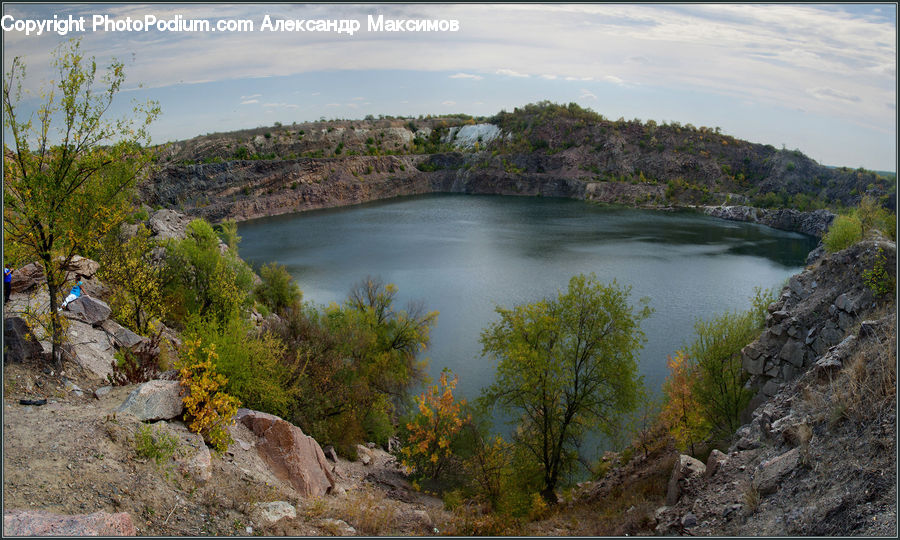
(154, 444)
(258, 371)
(878, 279)
(843, 233)
(278, 289)
(200, 279)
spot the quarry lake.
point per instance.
(464, 254)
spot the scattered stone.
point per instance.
(294, 457)
(689, 520)
(88, 310)
(42, 523)
(154, 400)
(102, 391)
(19, 342)
(685, 467)
(363, 454)
(268, 513)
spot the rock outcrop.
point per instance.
(813, 223)
(817, 457)
(294, 457)
(814, 312)
(42, 523)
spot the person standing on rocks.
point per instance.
(7, 283)
(73, 294)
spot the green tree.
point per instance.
(68, 180)
(137, 280)
(719, 388)
(566, 365)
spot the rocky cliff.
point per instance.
(814, 223)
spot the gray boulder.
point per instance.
(88, 310)
(685, 467)
(770, 474)
(154, 400)
(91, 348)
(82, 265)
(19, 342)
(123, 337)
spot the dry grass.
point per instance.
(369, 512)
(751, 499)
(867, 382)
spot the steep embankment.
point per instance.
(818, 454)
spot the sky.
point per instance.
(821, 78)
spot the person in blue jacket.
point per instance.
(73, 294)
(7, 283)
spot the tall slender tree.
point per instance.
(68, 178)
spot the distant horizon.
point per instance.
(821, 78)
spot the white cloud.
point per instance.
(548, 77)
(448, 103)
(511, 73)
(249, 101)
(587, 94)
(613, 79)
(831, 93)
(466, 76)
(251, 96)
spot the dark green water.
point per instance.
(464, 254)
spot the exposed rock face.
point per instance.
(294, 457)
(810, 223)
(88, 310)
(42, 523)
(154, 400)
(813, 313)
(167, 224)
(91, 348)
(802, 467)
(19, 342)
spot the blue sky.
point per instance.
(818, 77)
